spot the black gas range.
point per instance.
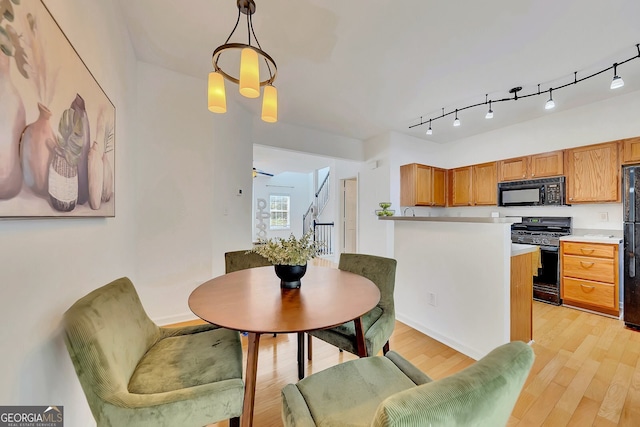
(546, 233)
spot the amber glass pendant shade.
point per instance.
(270, 104)
(217, 99)
(249, 73)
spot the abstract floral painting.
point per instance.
(57, 125)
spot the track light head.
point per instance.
(550, 103)
(489, 114)
(617, 81)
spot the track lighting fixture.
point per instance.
(616, 83)
(617, 80)
(550, 103)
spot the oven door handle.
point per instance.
(549, 248)
(632, 251)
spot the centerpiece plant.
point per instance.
(289, 256)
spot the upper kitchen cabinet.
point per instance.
(422, 185)
(485, 184)
(593, 173)
(460, 193)
(531, 167)
(631, 150)
(473, 185)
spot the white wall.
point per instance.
(298, 186)
(47, 264)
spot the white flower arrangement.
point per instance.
(289, 251)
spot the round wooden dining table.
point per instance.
(252, 301)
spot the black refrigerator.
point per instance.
(631, 218)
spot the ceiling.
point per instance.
(362, 68)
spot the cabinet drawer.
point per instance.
(588, 249)
(586, 291)
(598, 269)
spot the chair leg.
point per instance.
(385, 348)
(309, 347)
(234, 422)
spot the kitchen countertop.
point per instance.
(594, 236)
(521, 249)
(480, 219)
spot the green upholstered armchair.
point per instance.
(241, 260)
(136, 374)
(378, 323)
(389, 391)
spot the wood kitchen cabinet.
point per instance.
(631, 150)
(531, 167)
(473, 185)
(593, 173)
(460, 193)
(422, 185)
(590, 276)
(485, 184)
(521, 298)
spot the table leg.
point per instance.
(300, 355)
(362, 346)
(250, 379)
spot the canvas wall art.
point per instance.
(57, 125)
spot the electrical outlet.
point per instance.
(604, 216)
(432, 299)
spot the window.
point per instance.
(279, 206)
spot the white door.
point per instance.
(349, 214)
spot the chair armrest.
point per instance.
(124, 399)
(380, 331)
(414, 374)
(166, 332)
(294, 408)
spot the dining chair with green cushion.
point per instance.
(135, 373)
(385, 391)
(241, 260)
(378, 323)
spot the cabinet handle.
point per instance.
(586, 264)
(533, 174)
(584, 251)
(587, 288)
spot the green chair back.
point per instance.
(241, 260)
(380, 270)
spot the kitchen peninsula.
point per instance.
(453, 280)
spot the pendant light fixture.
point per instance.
(456, 121)
(550, 103)
(617, 81)
(248, 79)
(429, 131)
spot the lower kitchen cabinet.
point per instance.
(590, 276)
(521, 298)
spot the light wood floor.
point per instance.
(586, 371)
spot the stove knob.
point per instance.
(545, 241)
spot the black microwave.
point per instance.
(534, 192)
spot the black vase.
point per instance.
(290, 275)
